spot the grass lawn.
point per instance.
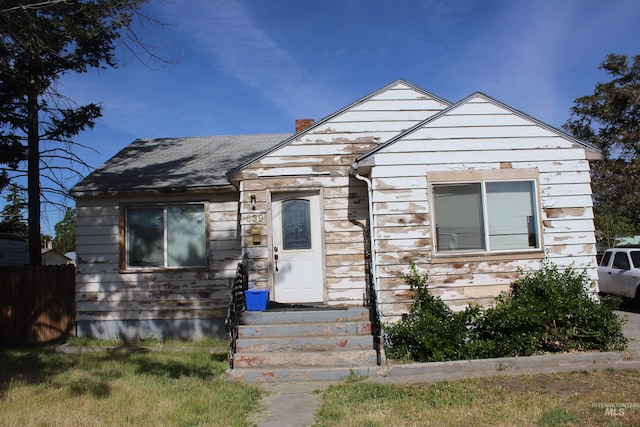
(568, 399)
(39, 387)
(165, 387)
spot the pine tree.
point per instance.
(13, 221)
(40, 42)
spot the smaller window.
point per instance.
(172, 236)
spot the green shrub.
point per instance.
(431, 331)
(546, 311)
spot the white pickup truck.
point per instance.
(619, 273)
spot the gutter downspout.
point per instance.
(374, 266)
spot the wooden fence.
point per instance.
(37, 303)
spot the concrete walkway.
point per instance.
(295, 404)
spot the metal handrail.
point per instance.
(371, 301)
(237, 304)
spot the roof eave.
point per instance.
(154, 191)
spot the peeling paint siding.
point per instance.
(421, 170)
(105, 293)
(416, 195)
(397, 159)
(561, 190)
(173, 313)
(566, 177)
(339, 260)
(414, 144)
(564, 226)
(321, 158)
(386, 115)
(402, 232)
(380, 104)
(477, 136)
(400, 207)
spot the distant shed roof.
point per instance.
(175, 164)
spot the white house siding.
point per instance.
(320, 159)
(477, 135)
(179, 303)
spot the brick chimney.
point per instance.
(302, 124)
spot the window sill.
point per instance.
(131, 270)
(466, 257)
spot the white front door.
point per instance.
(297, 248)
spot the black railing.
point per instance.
(371, 301)
(237, 304)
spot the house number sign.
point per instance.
(254, 218)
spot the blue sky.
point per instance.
(254, 66)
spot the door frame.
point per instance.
(270, 241)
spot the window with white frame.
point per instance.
(171, 236)
(485, 216)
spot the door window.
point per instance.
(296, 225)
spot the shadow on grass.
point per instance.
(30, 364)
(36, 365)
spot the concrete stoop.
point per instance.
(330, 345)
(300, 346)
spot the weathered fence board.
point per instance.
(37, 303)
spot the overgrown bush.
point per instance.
(431, 332)
(546, 311)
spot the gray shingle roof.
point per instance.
(171, 164)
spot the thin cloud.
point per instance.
(515, 57)
(226, 31)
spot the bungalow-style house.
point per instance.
(473, 192)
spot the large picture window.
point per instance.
(485, 216)
(172, 236)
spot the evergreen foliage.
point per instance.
(610, 119)
(65, 239)
(41, 41)
(13, 221)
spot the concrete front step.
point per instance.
(352, 314)
(309, 359)
(304, 329)
(251, 375)
(313, 343)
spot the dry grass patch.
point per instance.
(568, 399)
(160, 388)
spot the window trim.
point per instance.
(123, 261)
(483, 177)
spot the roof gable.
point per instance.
(479, 104)
(367, 106)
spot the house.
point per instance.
(51, 256)
(14, 250)
(473, 192)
